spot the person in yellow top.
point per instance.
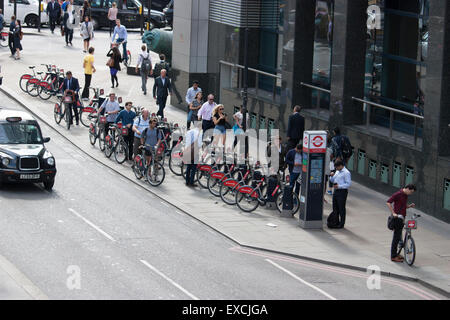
(89, 69)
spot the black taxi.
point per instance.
(23, 156)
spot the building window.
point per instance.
(323, 44)
(396, 54)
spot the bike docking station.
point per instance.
(312, 188)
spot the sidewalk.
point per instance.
(365, 241)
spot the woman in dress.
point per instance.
(87, 32)
(116, 59)
(17, 37)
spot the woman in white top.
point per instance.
(112, 16)
(87, 32)
(239, 118)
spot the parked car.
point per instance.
(128, 13)
(23, 155)
(27, 12)
(157, 5)
(168, 12)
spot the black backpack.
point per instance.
(333, 220)
(146, 64)
(346, 147)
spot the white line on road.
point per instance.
(301, 280)
(92, 225)
(169, 280)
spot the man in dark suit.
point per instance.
(162, 83)
(296, 126)
(71, 83)
(53, 12)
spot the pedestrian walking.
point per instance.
(111, 107)
(296, 126)
(398, 212)
(86, 32)
(144, 63)
(139, 125)
(18, 35)
(114, 64)
(162, 64)
(294, 160)
(190, 157)
(71, 83)
(219, 118)
(126, 117)
(112, 16)
(85, 10)
(89, 69)
(191, 93)
(68, 21)
(238, 117)
(341, 180)
(342, 148)
(194, 106)
(53, 12)
(122, 38)
(12, 26)
(205, 113)
(161, 89)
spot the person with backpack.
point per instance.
(145, 67)
(341, 180)
(161, 65)
(341, 146)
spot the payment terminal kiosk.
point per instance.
(313, 170)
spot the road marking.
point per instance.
(301, 280)
(169, 280)
(92, 225)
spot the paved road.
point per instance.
(127, 244)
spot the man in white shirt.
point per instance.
(191, 92)
(144, 63)
(111, 107)
(190, 153)
(341, 180)
(205, 113)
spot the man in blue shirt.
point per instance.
(294, 161)
(341, 180)
(122, 36)
(151, 138)
(139, 125)
(126, 117)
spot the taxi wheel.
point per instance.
(48, 185)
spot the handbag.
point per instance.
(110, 62)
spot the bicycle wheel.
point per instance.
(84, 117)
(295, 202)
(57, 113)
(44, 92)
(32, 88)
(93, 135)
(67, 112)
(23, 82)
(228, 191)
(155, 174)
(247, 198)
(138, 163)
(121, 152)
(214, 181)
(410, 250)
(175, 164)
(109, 146)
(101, 140)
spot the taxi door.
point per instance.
(129, 13)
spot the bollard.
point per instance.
(288, 205)
(272, 183)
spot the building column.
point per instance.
(348, 61)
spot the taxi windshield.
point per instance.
(19, 133)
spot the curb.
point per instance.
(326, 262)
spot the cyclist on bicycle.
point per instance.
(400, 201)
(70, 84)
(112, 108)
(151, 138)
(122, 36)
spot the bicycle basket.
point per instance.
(119, 125)
(412, 224)
(124, 131)
(68, 99)
(102, 120)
